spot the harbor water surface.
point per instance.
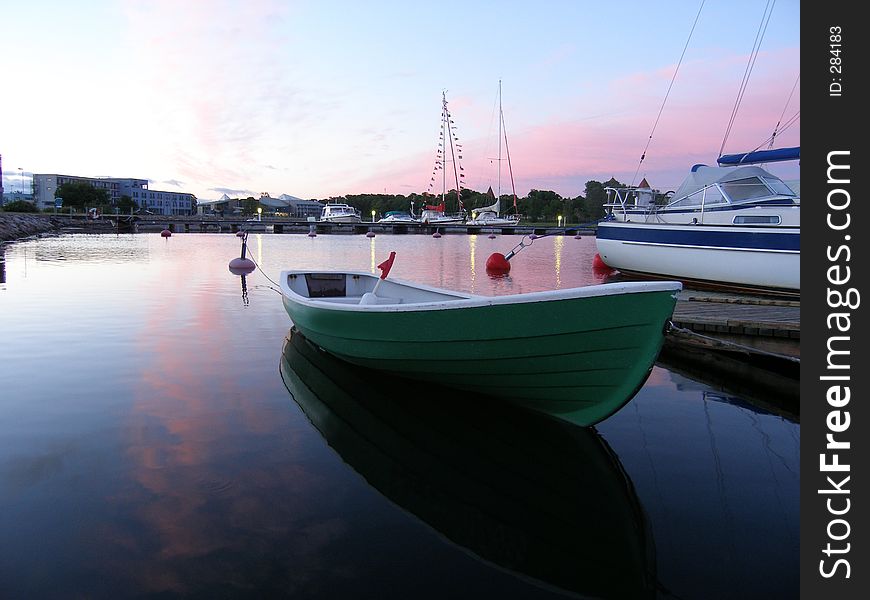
(162, 433)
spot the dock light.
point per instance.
(259, 213)
(373, 216)
(559, 218)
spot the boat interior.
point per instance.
(360, 288)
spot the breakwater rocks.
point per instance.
(14, 226)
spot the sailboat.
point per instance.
(734, 226)
(435, 214)
(490, 215)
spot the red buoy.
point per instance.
(497, 264)
(599, 265)
(165, 233)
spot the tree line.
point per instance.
(539, 206)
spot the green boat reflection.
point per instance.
(539, 497)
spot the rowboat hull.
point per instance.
(754, 257)
(578, 354)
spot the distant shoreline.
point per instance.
(18, 226)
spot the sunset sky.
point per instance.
(325, 98)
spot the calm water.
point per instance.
(158, 437)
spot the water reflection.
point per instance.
(245, 300)
(532, 495)
(472, 249)
(149, 448)
(769, 388)
(558, 245)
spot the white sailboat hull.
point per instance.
(733, 256)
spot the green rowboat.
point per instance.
(578, 354)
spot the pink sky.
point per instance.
(305, 99)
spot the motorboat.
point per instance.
(340, 213)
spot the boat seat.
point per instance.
(341, 300)
(369, 298)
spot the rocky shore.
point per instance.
(14, 226)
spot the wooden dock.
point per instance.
(738, 323)
(201, 224)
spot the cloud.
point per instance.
(232, 192)
(605, 136)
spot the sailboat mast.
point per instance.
(500, 118)
(444, 131)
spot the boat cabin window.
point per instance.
(778, 186)
(708, 196)
(745, 189)
(757, 220)
(326, 285)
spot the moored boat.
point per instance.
(436, 214)
(578, 354)
(488, 216)
(491, 215)
(398, 217)
(340, 213)
(724, 227)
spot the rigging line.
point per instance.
(265, 287)
(668, 93)
(251, 258)
(720, 478)
(792, 120)
(756, 48)
(483, 175)
(510, 169)
(784, 108)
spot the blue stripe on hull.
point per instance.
(691, 235)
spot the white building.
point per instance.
(284, 205)
(157, 202)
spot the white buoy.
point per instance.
(370, 234)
